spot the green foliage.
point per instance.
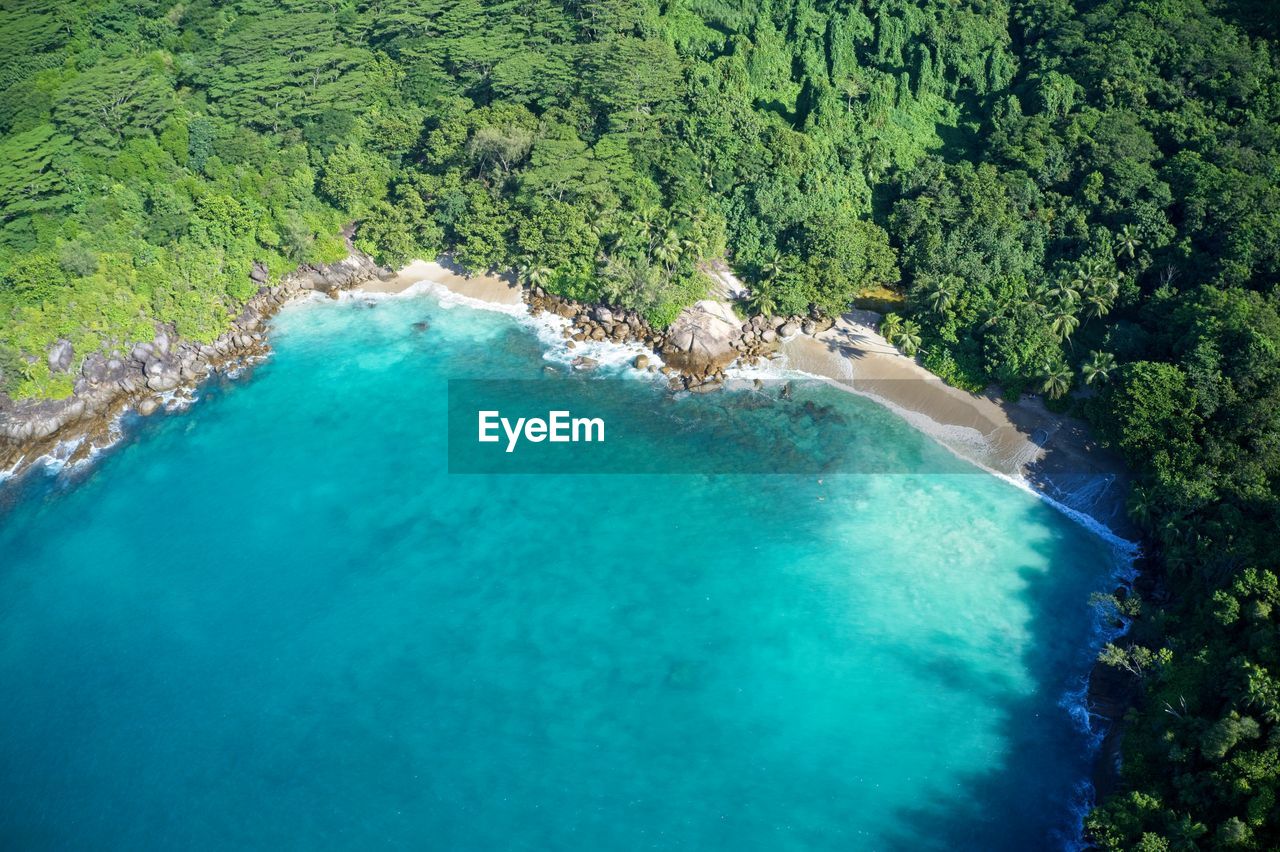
(112, 101)
(844, 257)
(354, 179)
(33, 176)
(285, 66)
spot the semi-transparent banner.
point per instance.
(579, 424)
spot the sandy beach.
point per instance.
(1022, 439)
(852, 354)
(1052, 452)
(502, 290)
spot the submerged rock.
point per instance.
(706, 387)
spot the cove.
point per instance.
(276, 620)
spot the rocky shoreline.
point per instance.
(695, 351)
(144, 375)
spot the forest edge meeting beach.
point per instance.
(1023, 440)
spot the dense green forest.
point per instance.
(1075, 198)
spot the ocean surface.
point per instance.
(276, 620)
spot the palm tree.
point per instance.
(1065, 291)
(761, 301)
(1127, 242)
(1263, 692)
(539, 276)
(613, 280)
(1141, 506)
(531, 275)
(771, 266)
(908, 337)
(1091, 276)
(1039, 295)
(27, 369)
(942, 293)
(641, 229)
(1100, 294)
(890, 326)
(1185, 832)
(1083, 274)
(1099, 367)
(1057, 380)
(697, 219)
(1096, 305)
(1063, 323)
(668, 251)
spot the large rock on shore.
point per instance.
(344, 273)
(702, 337)
(162, 374)
(60, 356)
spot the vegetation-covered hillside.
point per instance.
(1080, 198)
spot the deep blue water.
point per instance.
(277, 621)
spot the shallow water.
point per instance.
(276, 620)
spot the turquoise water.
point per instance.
(276, 621)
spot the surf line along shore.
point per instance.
(1022, 440)
(1014, 439)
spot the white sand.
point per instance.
(501, 290)
(852, 354)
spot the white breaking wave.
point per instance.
(948, 436)
(611, 358)
(447, 298)
(616, 359)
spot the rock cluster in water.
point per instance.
(696, 349)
